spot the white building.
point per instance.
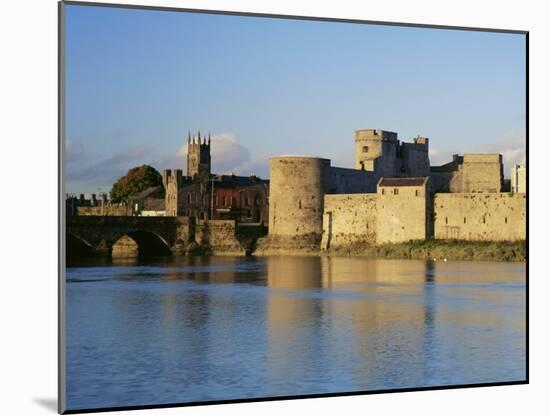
(519, 179)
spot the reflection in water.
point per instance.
(198, 329)
(294, 314)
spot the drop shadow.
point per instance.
(48, 403)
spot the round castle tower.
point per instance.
(297, 188)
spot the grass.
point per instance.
(439, 250)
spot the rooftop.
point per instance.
(153, 204)
(150, 191)
(402, 181)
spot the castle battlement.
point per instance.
(389, 197)
(419, 140)
(197, 141)
(380, 152)
(198, 157)
(172, 180)
(172, 176)
(374, 134)
(482, 158)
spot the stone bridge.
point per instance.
(126, 235)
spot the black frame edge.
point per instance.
(294, 397)
(61, 349)
(291, 17)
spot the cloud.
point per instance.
(74, 151)
(104, 172)
(438, 157)
(512, 146)
(228, 155)
(258, 166)
(514, 155)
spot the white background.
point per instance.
(28, 208)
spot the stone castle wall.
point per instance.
(219, 236)
(314, 206)
(349, 219)
(379, 218)
(480, 217)
(402, 216)
(298, 186)
(441, 181)
(108, 210)
(416, 162)
(171, 180)
(185, 230)
(478, 173)
(341, 180)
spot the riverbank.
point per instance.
(439, 250)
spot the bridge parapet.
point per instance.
(100, 233)
(150, 235)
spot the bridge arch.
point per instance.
(76, 247)
(140, 243)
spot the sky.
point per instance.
(137, 81)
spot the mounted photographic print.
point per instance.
(262, 207)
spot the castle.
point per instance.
(392, 195)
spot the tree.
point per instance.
(136, 180)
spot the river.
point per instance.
(199, 329)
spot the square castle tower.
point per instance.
(198, 157)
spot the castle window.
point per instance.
(505, 220)
(416, 192)
(299, 204)
(365, 149)
(446, 221)
(464, 220)
(395, 191)
(188, 198)
(382, 191)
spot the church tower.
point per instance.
(198, 157)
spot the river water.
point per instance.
(201, 329)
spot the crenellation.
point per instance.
(388, 198)
(312, 206)
(198, 157)
(172, 180)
